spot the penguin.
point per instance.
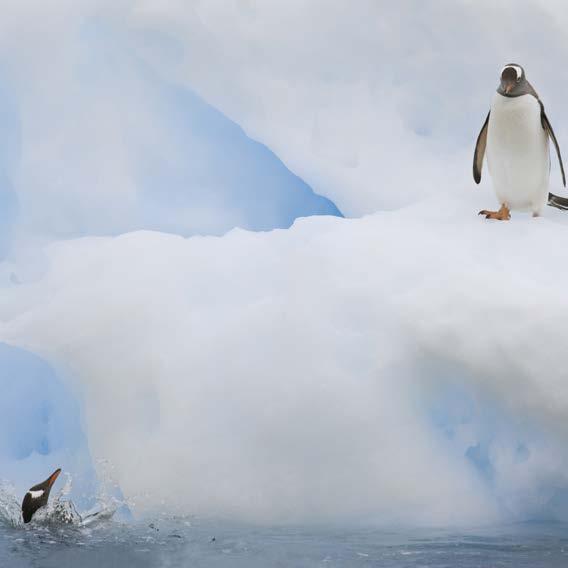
(37, 496)
(515, 136)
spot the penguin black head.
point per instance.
(37, 496)
(513, 81)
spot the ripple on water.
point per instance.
(63, 538)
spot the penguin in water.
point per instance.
(515, 137)
(37, 496)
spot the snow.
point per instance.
(386, 367)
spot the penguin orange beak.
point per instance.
(508, 86)
(51, 479)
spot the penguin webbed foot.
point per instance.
(502, 215)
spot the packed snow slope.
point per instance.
(405, 366)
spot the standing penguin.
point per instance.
(515, 137)
(37, 496)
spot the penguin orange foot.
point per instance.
(502, 215)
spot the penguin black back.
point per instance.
(37, 496)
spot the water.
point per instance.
(60, 536)
(172, 541)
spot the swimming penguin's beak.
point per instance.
(51, 479)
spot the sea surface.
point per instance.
(191, 542)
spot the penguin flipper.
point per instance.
(27, 507)
(480, 150)
(548, 127)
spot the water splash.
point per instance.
(60, 511)
(10, 509)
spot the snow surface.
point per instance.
(405, 366)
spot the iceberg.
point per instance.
(179, 285)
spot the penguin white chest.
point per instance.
(517, 153)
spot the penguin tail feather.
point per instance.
(558, 202)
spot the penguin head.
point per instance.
(37, 496)
(513, 81)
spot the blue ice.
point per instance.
(40, 423)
